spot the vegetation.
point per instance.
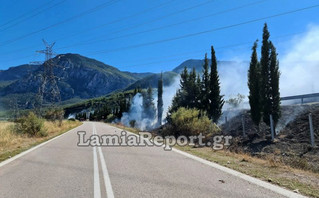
(148, 104)
(216, 100)
(269, 79)
(12, 143)
(202, 94)
(160, 101)
(263, 82)
(30, 125)
(54, 114)
(190, 122)
(235, 101)
(254, 87)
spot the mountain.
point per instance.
(79, 77)
(198, 64)
(152, 80)
(14, 73)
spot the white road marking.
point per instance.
(107, 181)
(248, 178)
(97, 187)
(33, 148)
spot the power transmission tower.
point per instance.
(48, 90)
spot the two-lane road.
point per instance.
(60, 168)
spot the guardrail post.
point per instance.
(272, 128)
(312, 138)
(243, 123)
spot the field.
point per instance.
(12, 144)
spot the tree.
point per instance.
(148, 104)
(197, 92)
(254, 87)
(216, 100)
(179, 99)
(191, 90)
(265, 75)
(270, 96)
(205, 90)
(160, 100)
(274, 84)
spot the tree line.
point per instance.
(202, 91)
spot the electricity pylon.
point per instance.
(48, 90)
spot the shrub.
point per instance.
(132, 123)
(54, 114)
(30, 124)
(190, 122)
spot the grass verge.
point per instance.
(12, 144)
(304, 182)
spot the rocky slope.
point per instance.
(77, 76)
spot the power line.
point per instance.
(102, 25)
(206, 31)
(167, 26)
(118, 20)
(203, 51)
(26, 13)
(195, 51)
(31, 16)
(99, 7)
(151, 21)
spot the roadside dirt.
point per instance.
(292, 142)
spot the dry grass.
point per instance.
(12, 143)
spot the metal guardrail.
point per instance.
(302, 97)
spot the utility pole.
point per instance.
(48, 90)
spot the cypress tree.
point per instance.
(197, 92)
(216, 100)
(160, 100)
(179, 99)
(191, 90)
(148, 104)
(274, 84)
(254, 87)
(270, 95)
(205, 90)
(265, 75)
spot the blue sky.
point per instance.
(136, 35)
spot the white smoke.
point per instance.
(299, 66)
(136, 109)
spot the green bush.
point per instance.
(110, 118)
(190, 122)
(54, 114)
(30, 124)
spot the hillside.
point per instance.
(291, 145)
(79, 78)
(152, 80)
(198, 64)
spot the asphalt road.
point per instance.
(60, 168)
